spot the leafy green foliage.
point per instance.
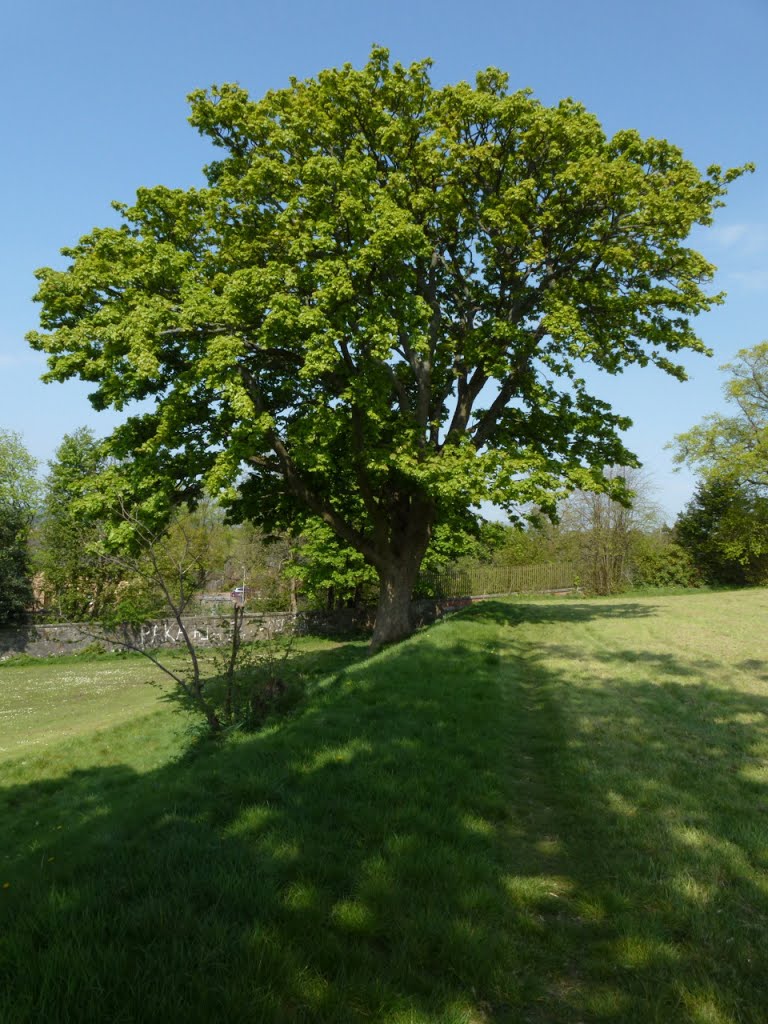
(19, 486)
(15, 570)
(377, 310)
(522, 544)
(735, 448)
(662, 563)
(18, 500)
(331, 573)
(78, 579)
(724, 527)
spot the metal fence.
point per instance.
(500, 579)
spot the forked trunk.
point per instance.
(394, 619)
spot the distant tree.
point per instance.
(606, 529)
(725, 525)
(18, 500)
(378, 310)
(78, 580)
(259, 559)
(724, 528)
(734, 449)
(526, 543)
(15, 574)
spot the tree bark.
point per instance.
(411, 522)
(394, 619)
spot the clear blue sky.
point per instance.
(95, 107)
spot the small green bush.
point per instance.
(667, 566)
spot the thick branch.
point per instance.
(489, 421)
(491, 418)
(402, 395)
(299, 486)
(469, 389)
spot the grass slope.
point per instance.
(548, 811)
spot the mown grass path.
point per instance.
(548, 811)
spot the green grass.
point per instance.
(43, 701)
(542, 811)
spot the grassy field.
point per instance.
(542, 811)
(44, 701)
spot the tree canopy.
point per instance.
(725, 525)
(76, 579)
(724, 528)
(734, 449)
(377, 309)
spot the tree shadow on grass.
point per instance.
(324, 870)
(436, 838)
(571, 610)
(654, 807)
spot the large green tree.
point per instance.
(725, 525)
(78, 579)
(18, 502)
(377, 310)
(724, 528)
(733, 449)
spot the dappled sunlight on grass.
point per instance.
(535, 811)
(702, 1008)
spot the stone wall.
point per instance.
(43, 639)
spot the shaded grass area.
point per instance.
(544, 811)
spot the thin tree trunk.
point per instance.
(238, 614)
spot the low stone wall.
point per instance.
(203, 630)
(43, 639)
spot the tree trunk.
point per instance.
(394, 620)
